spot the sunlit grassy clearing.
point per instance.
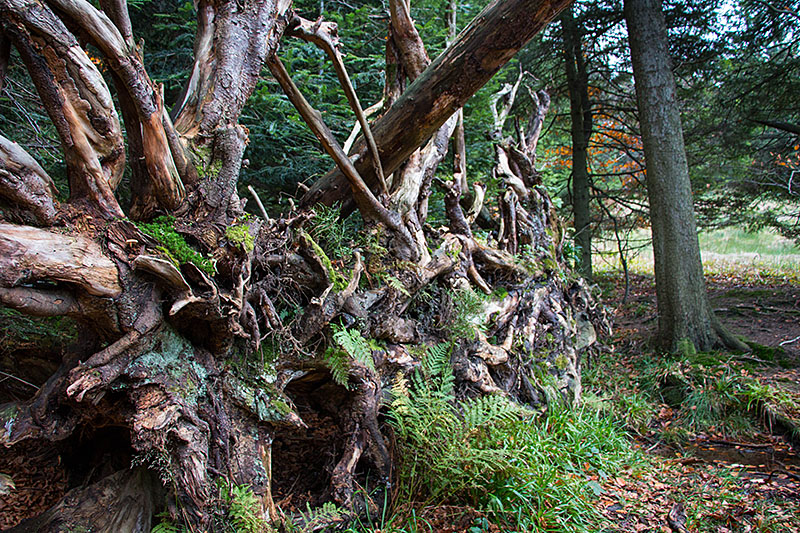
(727, 252)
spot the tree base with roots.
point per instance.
(216, 350)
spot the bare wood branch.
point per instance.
(348, 144)
(324, 35)
(233, 41)
(489, 41)
(29, 255)
(39, 302)
(367, 203)
(258, 202)
(541, 101)
(412, 50)
(25, 183)
(76, 99)
(128, 65)
(508, 94)
(117, 11)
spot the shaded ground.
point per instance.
(709, 481)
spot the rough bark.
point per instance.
(684, 313)
(581, 132)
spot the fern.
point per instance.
(436, 361)
(245, 511)
(355, 345)
(352, 346)
(396, 284)
(339, 365)
(486, 410)
(166, 525)
(325, 516)
(442, 444)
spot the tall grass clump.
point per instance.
(524, 471)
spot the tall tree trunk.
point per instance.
(684, 313)
(581, 131)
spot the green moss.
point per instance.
(339, 283)
(258, 397)
(767, 353)
(561, 362)
(173, 245)
(240, 234)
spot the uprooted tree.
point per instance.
(172, 308)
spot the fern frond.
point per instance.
(397, 284)
(355, 345)
(436, 361)
(326, 516)
(338, 363)
(485, 410)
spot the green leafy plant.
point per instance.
(244, 509)
(350, 346)
(525, 473)
(166, 525)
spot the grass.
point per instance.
(761, 257)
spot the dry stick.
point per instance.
(314, 33)
(348, 144)
(258, 201)
(368, 204)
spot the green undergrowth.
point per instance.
(21, 330)
(173, 245)
(681, 395)
(511, 468)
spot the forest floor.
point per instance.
(703, 420)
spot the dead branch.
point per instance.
(128, 66)
(444, 86)
(25, 183)
(348, 144)
(28, 255)
(324, 35)
(77, 99)
(37, 302)
(371, 209)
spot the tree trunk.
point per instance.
(684, 313)
(581, 131)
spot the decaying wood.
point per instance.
(24, 183)
(489, 41)
(30, 255)
(165, 347)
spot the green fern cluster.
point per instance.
(173, 245)
(166, 525)
(350, 346)
(442, 443)
(244, 510)
(325, 517)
